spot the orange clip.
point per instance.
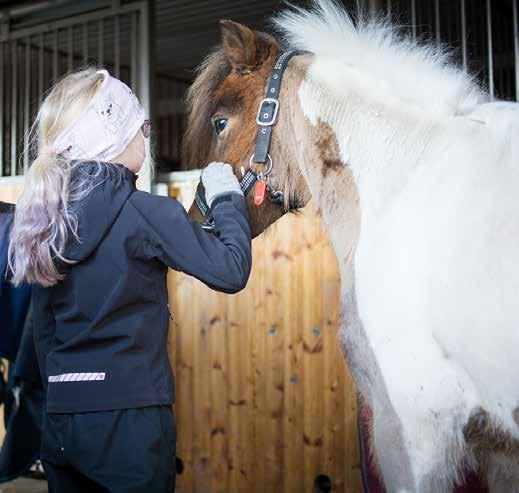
(259, 192)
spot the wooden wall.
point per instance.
(10, 189)
(265, 402)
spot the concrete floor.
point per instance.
(24, 485)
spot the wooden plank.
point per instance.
(181, 302)
(10, 189)
(240, 394)
(294, 399)
(258, 354)
(312, 354)
(202, 406)
(274, 365)
(219, 392)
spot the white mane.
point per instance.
(388, 65)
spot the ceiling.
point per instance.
(186, 29)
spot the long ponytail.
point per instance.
(43, 220)
(41, 223)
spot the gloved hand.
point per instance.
(218, 179)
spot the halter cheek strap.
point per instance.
(268, 110)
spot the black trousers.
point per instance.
(122, 451)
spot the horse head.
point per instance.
(223, 103)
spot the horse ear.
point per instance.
(245, 49)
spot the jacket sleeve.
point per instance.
(221, 260)
(26, 366)
(44, 327)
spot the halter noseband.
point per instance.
(265, 118)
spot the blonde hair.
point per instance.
(43, 219)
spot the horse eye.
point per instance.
(219, 125)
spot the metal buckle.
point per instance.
(272, 120)
(208, 225)
(269, 166)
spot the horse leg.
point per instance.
(418, 417)
(390, 451)
(388, 448)
(413, 458)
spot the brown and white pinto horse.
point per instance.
(416, 176)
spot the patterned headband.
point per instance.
(105, 127)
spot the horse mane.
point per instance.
(392, 67)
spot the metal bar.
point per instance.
(490, 51)
(64, 23)
(373, 6)
(413, 17)
(55, 55)
(437, 21)
(41, 61)
(146, 69)
(7, 108)
(13, 12)
(117, 47)
(388, 8)
(70, 48)
(133, 57)
(100, 47)
(14, 99)
(2, 71)
(27, 98)
(42, 10)
(448, 22)
(464, 52)
(516, 45)
(85, 42)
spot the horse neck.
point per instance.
(380, 144)
(356, 172)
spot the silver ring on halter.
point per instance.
(269, 167)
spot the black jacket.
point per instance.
(6, 220)
(101, 333)
(14, 301)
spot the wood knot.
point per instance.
(317, 442)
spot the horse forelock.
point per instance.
(199, 135)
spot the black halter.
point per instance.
(266, 118)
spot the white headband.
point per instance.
(105, 127)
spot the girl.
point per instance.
(97, 251)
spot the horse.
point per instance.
(415, 173)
